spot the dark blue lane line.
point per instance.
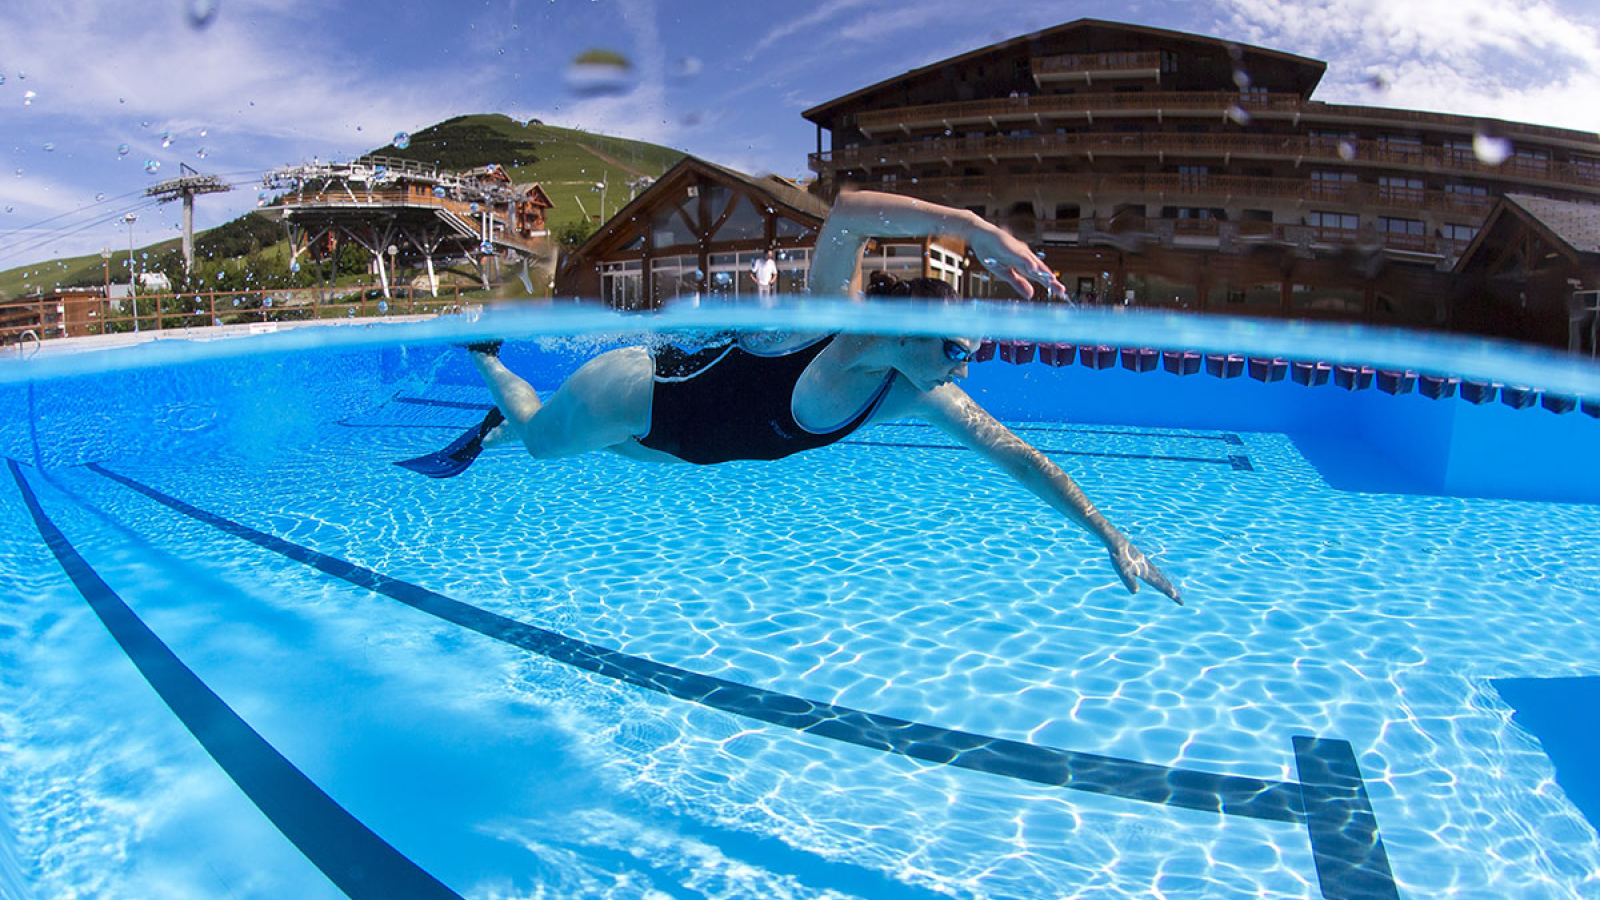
(448, 404)
(1229, 461)
(360, 863)
(1349, 855)
(1225, 437)
(1127, 779)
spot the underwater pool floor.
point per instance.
(560, 730)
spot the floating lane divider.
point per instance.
(1330, 799)
(362, 865)
(1310, 373)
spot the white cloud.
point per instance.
(1522, 60)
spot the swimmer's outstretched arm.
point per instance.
(858, 216)
(948, 408)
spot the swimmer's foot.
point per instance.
(487, 348)
(454, 459)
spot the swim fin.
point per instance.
(454, 459)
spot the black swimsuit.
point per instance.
(724, 403)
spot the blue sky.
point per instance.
(261, 83)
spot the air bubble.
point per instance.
(402, 140)
(1237, 115)
(10, 208)
(486, 248)
(1490, 150)
(201, 13)
(1347, 150)
(27, 98)
(99, 197)
(1241, 79)
(122, 149)
(152, 166)
(686, 67)
(474, 207)
(383, 306)
(267, 302)
(439, 191)
(166, 139)
(202, 152)
(294, 267)
(49, 147)
(2, 79)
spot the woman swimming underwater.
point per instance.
(765, 397)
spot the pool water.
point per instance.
(876, 670)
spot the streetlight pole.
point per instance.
(133, 292)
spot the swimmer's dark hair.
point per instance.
(883, 284)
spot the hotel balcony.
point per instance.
(1228, 236)
(1218, 105)
(1194, 190)
(1088, 148)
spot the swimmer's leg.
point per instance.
(605, 403)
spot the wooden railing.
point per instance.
(1275, 105)
(80, 316)
(1282, 147)
(1199, 188)
(1121, 232)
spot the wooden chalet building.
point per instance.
(1533, 274)
(1160, 168)
(699, 229)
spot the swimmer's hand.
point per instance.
(1011, 260)
(1132, 566)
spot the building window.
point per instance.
(1169, 62)
(1462, 233)
(674, 276)
(622, 284)
(1333, 176)
(1397, 189)
(1586, 166)
(1392, 225)
(1471, 190)
(1341, 221)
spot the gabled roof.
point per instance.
(531, 192)
(1575, 224)
(779, 193)
(1573, 228)
(1315, 67)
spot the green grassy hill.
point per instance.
(566, 162)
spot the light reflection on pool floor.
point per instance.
(909, 582)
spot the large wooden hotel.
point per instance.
(1158, 168)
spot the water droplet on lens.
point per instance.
(10, 208)
(383, 306)
(236, 301)
(166, 139)
(1347, 150)
(1490, 150)
(402, 140)
(202, 132)
(201, 13)
(267, 302)
(27, 98)
(1241, 79)
(49, 147)
(294, 267)
(438, 191)
(686, 67)
(152, 166)
(202, 152)
(486, 248)
(474, 207)
(99, 197)
(2, 79)
(122, 149)
(599, 72)
(1237, 115)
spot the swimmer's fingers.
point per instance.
(1133, 566)
(1018, 282)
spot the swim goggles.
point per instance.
(956, 352)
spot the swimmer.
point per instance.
(765, 397)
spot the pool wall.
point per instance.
(1359, 440)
